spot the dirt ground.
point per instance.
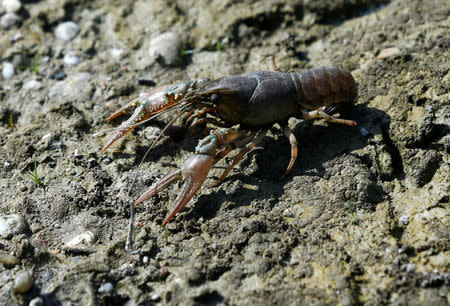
(362, 219)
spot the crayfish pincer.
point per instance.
(255, 100)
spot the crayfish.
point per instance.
(255, 100)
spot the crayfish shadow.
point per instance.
(318, 142)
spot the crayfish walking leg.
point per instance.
(196, 168)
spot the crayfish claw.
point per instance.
(159, 185)
(123, 110)
(193, 174)
(139, 115)
(195, 170)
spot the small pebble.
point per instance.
(9, 19)
(32, 85)
(388, 52)
(7, 259)
(48, 135)
(60, 75)
(7, 70)
(72, 58)
(404, 220)
(6, 164)
(67, 31)
(155, 297)
(287, 213)
(15, 37)
(23, 281)
(429, 108)
(35, 227)
(86, 238)
(23, 188)
(165, 48)
(11, 6)
(106, 288)
(408, 267)
(37, 301)
(116, 53)
(11, 225)
(145, 260)
(364, 132)
(20, 60)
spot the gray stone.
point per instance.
(67, 31)
(165, 48)
(11, 225)
(9, 19)
(106, 288)
(72, 58)
(23, 282)
(7, 70)
(11, 6)
(32, 85)
(37, 301)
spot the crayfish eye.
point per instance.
(214, 98)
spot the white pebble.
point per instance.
(11, 6)
(155, 297)
(404, 220)
(166, 48)
(67, 31)
(116, 53)
(48, 135)
(37, 301)
(429, 108)
(106, 288)
(11, 225)
(72, 58)
(409, 267)
(388, 52)
(6, 164)
(23, 282)
(32, 85)
(287, 213)
(364, 132)
(86, 238)
(9, 19)
(145, 260)
(7, 70)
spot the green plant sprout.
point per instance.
(36, 64)
(34, 175)
(221, 42)
(352, 218)
(166, 232)
(352, 213)
(185, 52)
(219, 45)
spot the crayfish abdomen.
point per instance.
(262, 98)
